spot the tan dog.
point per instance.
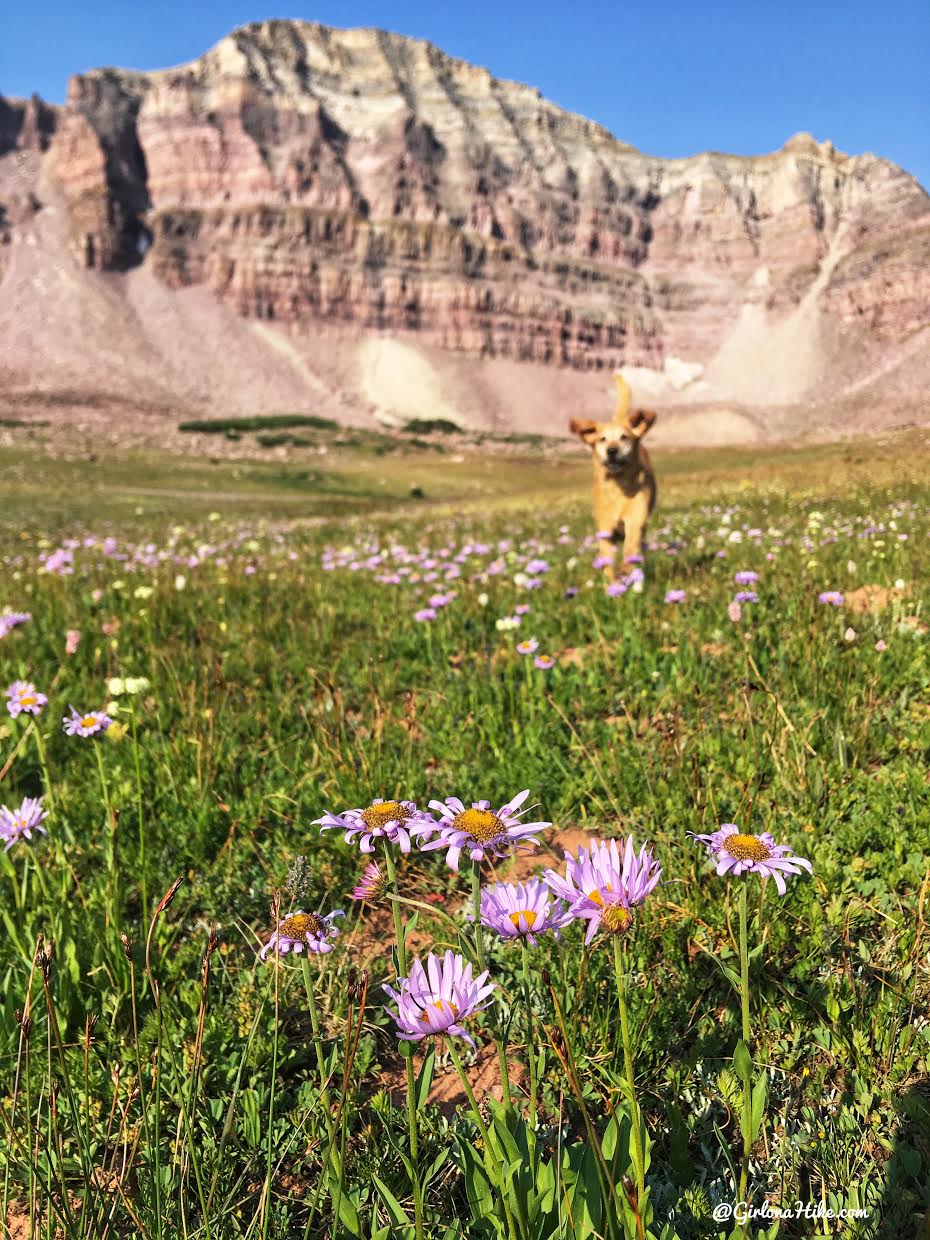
(624, 484)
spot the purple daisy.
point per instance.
(522, 910)
(675, 596)
(11, 619)
(24, 698)
(390, 820)
(19, 824)
(478, 829)
(425, 614)
(602, 887)
(736, 853)
(544, 662)
(303, 930)
(372, 884)
(530, 646)
(833, 597)
(87, 724)
(437, 998)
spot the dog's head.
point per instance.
(615, 443)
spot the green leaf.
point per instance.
(760, 1095)
(395, 1209)
(742, 1061)
(425, 1078)
(348, 1213)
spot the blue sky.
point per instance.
(673, 77)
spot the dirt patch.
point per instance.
(869, 599)
(447, 1092)
(530, 864)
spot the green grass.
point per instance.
(159, 1081)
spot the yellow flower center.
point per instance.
(377, 816)
(27, 699)
(616, 919)
(88, 721)
(440, 1005)
(746, 848)
(596, 896)
(528, 913)
(480, 824)
(302, 926)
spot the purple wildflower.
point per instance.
(24, 698)
(530, 646)
(372, 884)
(833, 597)
(746, 596)
(733, 852)
(522, 910)
(303, 930)
(601, 888)
(437, 998)
(425, 614)
(390, 820)
(10, 619)
(87, 724)
(675, 596)
(746, 577)
(478, 829)
(544, 662)
(19, 824)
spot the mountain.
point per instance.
(353, 223)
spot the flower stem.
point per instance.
(43, 763)
(635, 1126)
(530, 1033)
(476, 913)
(505, 1073)
(482, 1129)
(744, 1001)
(111, 918)
(317, 1044)
(405, 1047)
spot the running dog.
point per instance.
(624, 484)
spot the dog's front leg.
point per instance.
(632, 550)
(607, 550)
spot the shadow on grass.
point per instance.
(903, 1212)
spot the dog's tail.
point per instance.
(624, 397)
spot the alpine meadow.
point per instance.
(373, 868)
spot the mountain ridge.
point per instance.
(335, 188)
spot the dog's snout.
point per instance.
(613, 451)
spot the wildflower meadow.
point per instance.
(393, 875)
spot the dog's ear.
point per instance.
(641, 420)
(584, 428)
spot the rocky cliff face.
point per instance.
(313, 178)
